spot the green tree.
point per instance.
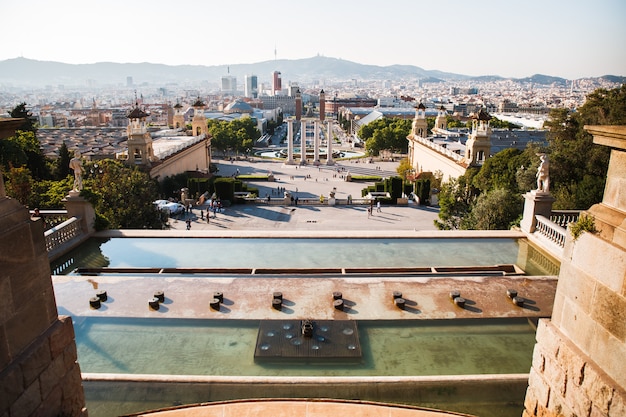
(386, 134)
(23, 149)
(48, 194)
(122, 195)
(26, 138)
(20, 184)
(455, 201)
(21, 112)
(496, 123)
(572, 157)
(498, 209)
(500, 171)
(238, 135)
(62, 164)
(404, 168)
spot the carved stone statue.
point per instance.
(77, 165)
(543, 174)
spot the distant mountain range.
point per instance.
(23, 72)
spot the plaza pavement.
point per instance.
(309, 182)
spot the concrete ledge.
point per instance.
(451, 392)
(249, 298)
(316, 234)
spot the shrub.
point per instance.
(583, 224)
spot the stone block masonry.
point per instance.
(578, 365)
(563, 381)
(39, 373)
(45, 379)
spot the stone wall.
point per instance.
(39, 373)
(189, 159)
(579, 362)
(564, 381)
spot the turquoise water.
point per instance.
(226, 348)
(286, 253)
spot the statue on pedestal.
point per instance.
(77, 165)
(543, 174)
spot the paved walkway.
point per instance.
(309, 182)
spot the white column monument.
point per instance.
(289, 160)
(303, 143)
(316, 143)
(329, 145)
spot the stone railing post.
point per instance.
(537, 203)
(80, 208)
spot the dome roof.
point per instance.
(238, 106)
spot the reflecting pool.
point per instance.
(226, 348)
(291, 253)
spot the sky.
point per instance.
(566, 38)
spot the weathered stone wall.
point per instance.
(564, 381)
(39, 374)
(579, 362)
(45, 379)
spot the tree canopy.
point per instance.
(122, 196)
(238, 135)
(385, 134)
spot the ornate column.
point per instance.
(289, 160)
(316, 143)
(302, 142)
(329, 144)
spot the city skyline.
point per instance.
(559, 38)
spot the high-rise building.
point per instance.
(292, 90)
(251, 89)
(229, 84)
(276, 83)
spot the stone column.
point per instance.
(289, 160)
(316, 143)
(303, 143)
(537, 202)
(329, 145)
(80, 208)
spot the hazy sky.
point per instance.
(567, 38)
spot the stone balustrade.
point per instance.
(51, 218)
(62, 234)
(564, 217)
(551, 230)
(453, 155)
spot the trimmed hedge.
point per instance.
(365, 178)
(248, 177)
(225, 188)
